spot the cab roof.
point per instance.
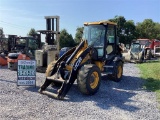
(143, 39)
(105, 22)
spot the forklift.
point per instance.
(23, 48)
(50, 50)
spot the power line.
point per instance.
(13, 25)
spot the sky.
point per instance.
(19, 16)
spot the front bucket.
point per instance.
(61, 87)
(49, 81)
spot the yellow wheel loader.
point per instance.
(98, 53)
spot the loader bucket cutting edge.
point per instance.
(50, 94)
(53, 95)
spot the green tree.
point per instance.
(32, 32)
(157, 30)
(78, 35)
(126, 29)
(3, 40)
(66, 39)
(120, 20)
(147, 29)
(129, 32)
(1, 32)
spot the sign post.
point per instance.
(26, 73)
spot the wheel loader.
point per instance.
(98, 54)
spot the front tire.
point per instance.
(88, 79)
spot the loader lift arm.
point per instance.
(66, 85)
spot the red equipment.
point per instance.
(24, 49)
(6, 46)
(3, 60)
(150, 46)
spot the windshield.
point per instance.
(136, 48)
(144, 42)
(32, 46)
(20, 42)
(94, 34)
(33, 43)
(157, 50)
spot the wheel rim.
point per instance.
(94, 80)
(119, 74)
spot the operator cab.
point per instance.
(102, 36)
(26, 45)
(136, 48)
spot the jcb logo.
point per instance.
(77, 63)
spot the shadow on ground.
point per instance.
(110, 94)
(152, 84)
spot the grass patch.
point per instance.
(151, 73)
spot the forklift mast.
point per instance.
(50, 20)
(52, 30)
(11, 42)
(50, 50)
(52, 24)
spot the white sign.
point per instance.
(26, 72)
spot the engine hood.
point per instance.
(13, 54)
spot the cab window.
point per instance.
(33, 44)
(111, 34)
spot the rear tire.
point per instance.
(117, 76)
(148, 54)
(142, 58)
(88, 79)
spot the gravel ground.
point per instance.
(125, 100)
